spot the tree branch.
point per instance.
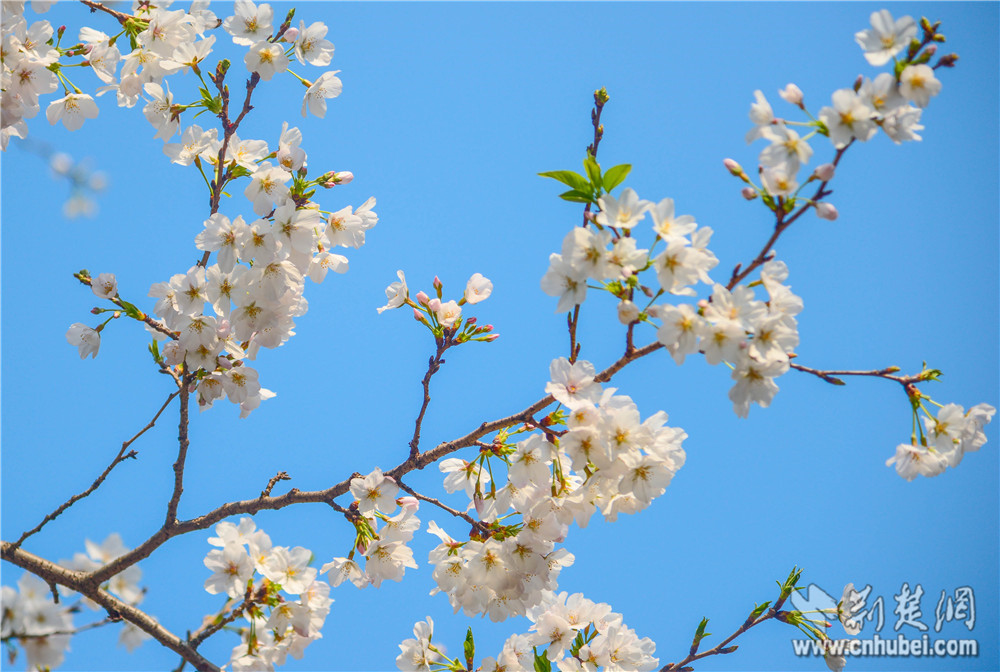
(476, 524)
(183, 443)
(119, 458)
(85, 585)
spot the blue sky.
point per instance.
(448, 113)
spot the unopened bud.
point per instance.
(291, 35)
(948, 61)
(930, 50)
(492, 337)
(470, 322)
(791, 94)
(408, 503)
(422, 298)
(628, 312)
(858, 82)
(748, 193)
(487, 328)
(733, 167)
(333, 178)
(825, 172)
(590, 216)
(434, 304)
(417, 315)
(117, 314)
(224, 362)
(703, 304)
(95, 310)
(826, 211)
(223, 329)
(59, 33)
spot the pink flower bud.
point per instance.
(825, 172)
(748, 193)
(589, 216)
(930, 50)
(408, 503)
(492, 337)
(224, 362)
(488, 328)
(95, 310)
(343, 177)
(471, 321)
(437, 283)
(434, 304)
(422, 298)
(826, 211)
(703, 304)
(733, 167)
(417, 315)
(291, 35)
(791, 94)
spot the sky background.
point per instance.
(448, 113)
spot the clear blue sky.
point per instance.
(448, 113)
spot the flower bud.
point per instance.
(733, 167)
(470, 322)
(628, 312)
(791, 94)
(95, 310)
(223, 329)
(748, 193)
(589, 216)
(858, 82)
(291, 35)
(224, 362)
(825, 172)
(948, 61)
(408, 503)
(826, 211)
(492, 337)
(434, 304)
(422, 298)
(437, 283)
(417, 315)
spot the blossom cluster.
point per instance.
(255, 288)
(571, 631)
(276, 625)
(381, 538)
(607, 459)
(893, 101)
(164, 42)
(945, 441)
(440, 316)
(44, 627)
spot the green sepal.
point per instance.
(154, 350)
(569, 178)
(615, 175)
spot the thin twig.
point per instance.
(96, 6)
(280, 476)
(433, 366)
(82, 628)
(119, 458)
(182, 448)
(781, 225)
(478, 525)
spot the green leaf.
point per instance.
(577, 196)
(615, 175)
(131, 310)
(760, 609)
(154, 350)
(593, 172)
(470, 649)
(542, 664)
(569, 178)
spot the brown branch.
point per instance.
(85, 585)
(476, 524)
(183, 443)
(781, 225)
(119, 458)
(887, 373)
(82, 628)
(96, 6)
(723, 646)
(280, 476)
(433, 366)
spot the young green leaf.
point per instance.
(569, 178)
(470, 649)
(577, 196)
(542, 664)
(593, 172)
(615, 175)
